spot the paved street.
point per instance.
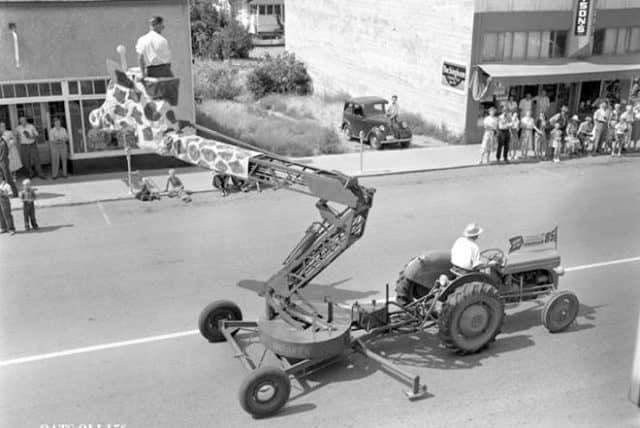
(118, 271)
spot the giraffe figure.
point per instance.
(128, 105)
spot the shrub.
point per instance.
(420, 126)
(232, 41)
(215, 81)
(205, 21)
(274, 134)
(282, 74)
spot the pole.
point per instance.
(361, 151)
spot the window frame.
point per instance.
(506, 39)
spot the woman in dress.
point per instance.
(14, 156)
(490, 124)
(515, 139)
(540, 144)
(526, 141)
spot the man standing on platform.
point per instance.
(153, 51)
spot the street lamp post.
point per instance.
(361, 151)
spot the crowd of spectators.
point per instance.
(520, 130)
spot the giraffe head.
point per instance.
(129, 106)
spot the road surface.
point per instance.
(78, 295)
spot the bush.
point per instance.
(419, 126)
(282, 74)
(274, 134)
(232, 41)
(205, 21)
(213, 80)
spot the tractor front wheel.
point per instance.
(471, 317)
(374, 142)
(211, 316)
(560, 311)
(264, 391)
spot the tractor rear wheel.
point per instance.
(264, 391)
(560, 311)
(471, 317)
(212, 314)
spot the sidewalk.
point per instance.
(84, 189)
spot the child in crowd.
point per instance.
(6, 218)
(147, 191)
(621, 128)
(175, 188)
(220, 182)
(28, 196)
(556, 141)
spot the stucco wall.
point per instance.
(73, 39)
(386, 47)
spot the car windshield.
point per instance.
(374, 108)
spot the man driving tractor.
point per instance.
(465, 253)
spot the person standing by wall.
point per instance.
(514, 142)
(14, 155)
(600, 120)
(585, 133)
(58, 138)
(542, 103)
(490, 124)
(6, 218)
(504, 135)
(526, 105)
(510, 105)
(635, 126)
(540, 139)
(5, 170)
(526, 139)
(153, 51)
(27, 134)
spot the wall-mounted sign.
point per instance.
(454, 75)
(582, 18)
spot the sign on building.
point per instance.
(582, 18)
(454, 75)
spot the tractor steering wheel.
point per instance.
(493, 254)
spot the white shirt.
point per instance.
(393, 110)
(27, 134)
(58, 134)
(525, 105)
(543, 103)
(490, 123)
(465, 253)
(155, 49)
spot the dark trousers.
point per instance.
(31, 159)
(5, 172)
(504, 135)
(6, 219)
(160, 70)
(29, 212)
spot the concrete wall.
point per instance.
(64, 39)
(385, 47)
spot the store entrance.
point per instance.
(589, 93)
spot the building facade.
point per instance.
(451, 60)
(54, 54)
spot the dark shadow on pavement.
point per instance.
(316, 292)
(52, 228)
(289, 410)
(522, 320)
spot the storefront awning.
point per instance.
(604, 68)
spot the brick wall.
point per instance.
(385, 47)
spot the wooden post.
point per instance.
(361, 151)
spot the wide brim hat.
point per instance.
(472, 230)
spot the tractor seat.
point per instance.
(529, 259)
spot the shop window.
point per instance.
(8, 91)
(558, 44)
(21, 90)
(489, 45)
(610, 39)
(276, 9)
(508, 45)
(262, 9)
(73, 87)
(634, 39)
(86, 87)
(269, 9)
(598, 41)
(100, 86)
(533, 45)
(45, 89)
(75, 128)
(519, 45)
(622, 41)
(32, 90)
(56, 88)
(546, 45)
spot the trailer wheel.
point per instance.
(560, 311)
(471, 317)
(212, 314)
(264, 391)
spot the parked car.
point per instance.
(367, 114)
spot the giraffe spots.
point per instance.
(147, 133)
(107, 119)
(123, 80)
(236, 167)
(203, 164)
(134, 96)
(194, 152)
(119, 95)
(221, 167)
(226, 155)
(124, 124)
(94, 117)
(151, 111)
(120, 111)
(209, 154)
(171, 116)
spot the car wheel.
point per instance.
(374, 142)
(405, 144)
(346, 131)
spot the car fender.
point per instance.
(465, 279)
(374, 130)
